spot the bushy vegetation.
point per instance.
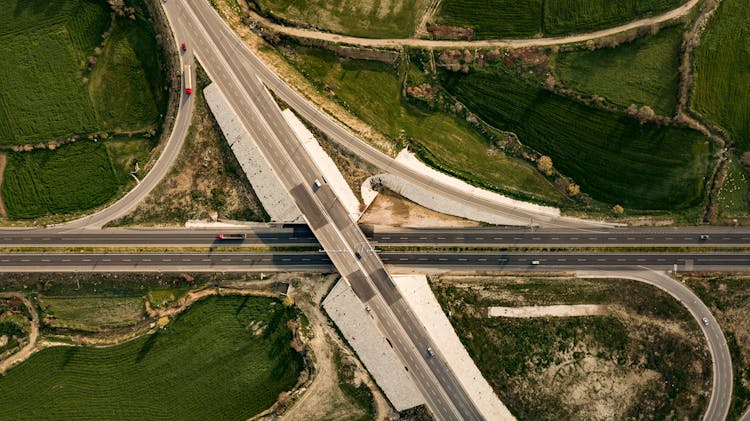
(372, 91)
(541, 356)
(612, 157)
(507, 18)
(721, 63)
(207, 364)
(642, 72)
(72, 178)
(566, 16)
(364, 18)
(494, 18)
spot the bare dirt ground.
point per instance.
(549, 311)
(392, 210)
(30, 347)
(323, 398)
(505, 43)
(3, 161)
(207, 182)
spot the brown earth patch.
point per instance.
(392, 210)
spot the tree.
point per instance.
(618, 210)
(573, 189)
(544, 164)
(645, 113)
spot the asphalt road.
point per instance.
(311, 261)
(301, 235)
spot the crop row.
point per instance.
(509, 18)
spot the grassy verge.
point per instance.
(721, 67)
(642, 72)
(205, 364)
(93, 313)
(644, 358)
(566, 16)
(728, 297)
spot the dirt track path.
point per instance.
(505, 43)
(29, 349)
(3, 161)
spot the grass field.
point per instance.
(91, 313)
(372, 91)
(365, 18)
(510, 19)
(206, 364)
(126, 95)
(734, 194)
(613, 158)
(645, 359)
(494, 18)
(72, 178)
(641, 72)
(722, 68)
(570, 16)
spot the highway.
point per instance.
(423, 261)
(220, 52)
(301, 235)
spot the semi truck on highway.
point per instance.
(223, 236)
(187, 79)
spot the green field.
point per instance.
(734, 194)
(612, 157)
(493, 18)
(570, 16)
(45, 90)
(721, 63)
(207, 364)
(644, 71)
(364, 18)
(91, 313)
(75, 177)
(372, 91)
(508, 18)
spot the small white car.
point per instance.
(705, 321)
(430, 352)
(535, 262)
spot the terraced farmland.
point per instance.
(612, 157)
(722, 69)
(207, 364)
(644, 71)
(507, 18)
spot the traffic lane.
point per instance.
(462, 261)
(206, 239)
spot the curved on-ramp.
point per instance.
(722, 378)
